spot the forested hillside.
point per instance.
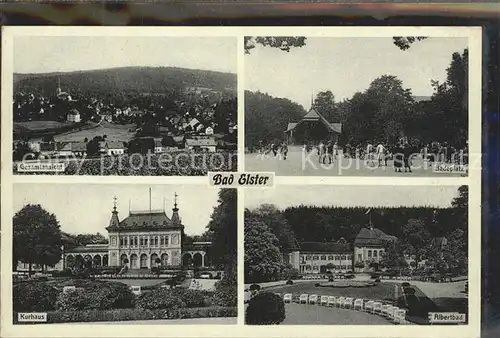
(130, 80)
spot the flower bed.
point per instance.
(347, 284)
(181, 163)
(135, 314)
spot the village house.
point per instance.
(73, 116)
(201, 144)
(111, 148)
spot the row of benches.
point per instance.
(388, 311)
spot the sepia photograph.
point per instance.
(126, 105)
(124, 254)
(357, 106)
(357, 255)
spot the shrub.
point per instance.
(34, 296)
(405, 284)
(409, 291)
(193, 298)
(100, 296)
(289, 282)
(63, 273)
(136, 314)
(160, 299)
(226, 291)
(265, 308)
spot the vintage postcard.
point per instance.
(241, 181)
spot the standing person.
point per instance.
(284, 150)
(398, 158)
(321, 152)
(329, 151)
(369, 151)
(335, 152)
(381, 154)
(407, 152)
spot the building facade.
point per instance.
(142, 240)
(313, 127)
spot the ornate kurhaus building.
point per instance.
(137, 241)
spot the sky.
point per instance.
(70, 53)
(86, 208)
(347, 65)
(349, 196)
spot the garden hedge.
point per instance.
(136, 314)
(265, 308)
(34, 296)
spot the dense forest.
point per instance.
(125, 80)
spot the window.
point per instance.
(369, 254)
(337, 258)
(308, 258)
(141, 241)
(323, 258)
(162, 241)
(360, 257)
(136, 241)
(374, 253)
(330, 258)
(146, 241)
(342, 257)
(166, 240)
(121, 241)
(125, 241)
(156, 240)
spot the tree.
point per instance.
(223, 229)
(278, 224)
(265, 308)
(416, 237)
(404, 43)
(324, 103)
(84, 239)
(393, 257)
(263, 259)
(281, 42)
(37, 237)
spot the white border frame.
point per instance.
(74, 330)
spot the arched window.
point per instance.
(121, 241)
(166, 240)
(146, 241)
(162, 241)
(125, 241)
(374, 253)
(369, 254)
(136, 241)
(156, 240)
(141, 241)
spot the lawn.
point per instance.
(382, 291)
(112, 131)
(302, 314)
(41, 125)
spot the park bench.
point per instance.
(390, 311)
(385, 308)
(324, 300)
(340, 301)
(348, 302)
(400, 316)
(358, 304)
(287, 298)
(303, 298)
(369, 306)
(313, 299)
(331, 301)
(377, 307)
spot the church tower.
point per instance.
(175, 214)
(113, 232)
(58, 90)
(114, 221)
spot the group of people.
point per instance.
(277, 149)
(327, 151)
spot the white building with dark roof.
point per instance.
(138, 240)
